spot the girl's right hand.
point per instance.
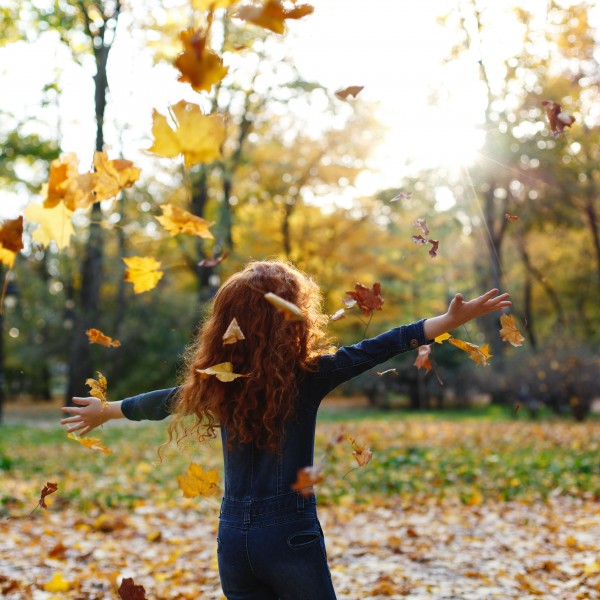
(89, 414)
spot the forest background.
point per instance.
(332, 183)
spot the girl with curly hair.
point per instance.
(270, 544)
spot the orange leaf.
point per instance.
(368, 299)
(290, 311)
(143, 272)
(351, 90)
(98, 388)
(48, 489)
(129, 591)
(95, 336)
(422, 360)
(111, 176)
(199, 66)
(511, 217)
(509, 331)
(233, 333)
(11, 235)
(476, 353)
(176, 220)
(91, 443)
(197, 482)
(362, 454)
(66, 184)
(307, 477)
(271, 14)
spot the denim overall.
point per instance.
(270, 544)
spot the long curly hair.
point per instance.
(273, 355)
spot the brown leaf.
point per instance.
(434, 248)
(361, 453)
(352, 90)
(271, 14)
(307, 477)
(214, 261)
(511, 217)
(402, 196)
(422, 225)
(48, 489)
(368, 299)
(11, 235)
(422, 361)
(557, 119)
(129, 591)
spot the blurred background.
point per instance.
(450, 118)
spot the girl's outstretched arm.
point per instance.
(460, 312)
(89, 414)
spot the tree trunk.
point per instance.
(592, 219)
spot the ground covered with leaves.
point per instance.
(445, 509)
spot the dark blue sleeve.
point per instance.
(151, 406)
(350, 361)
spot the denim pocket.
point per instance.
(218, 545)
(304, 538)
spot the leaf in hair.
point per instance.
(222, 371)
(233, 333)
(290, 311)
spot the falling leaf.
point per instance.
(66, 184)
(509, 331)
(199, 65)
(11, 235)
(98, 388)
(48, 489)
(306, 478)
(441, 338)
(368, 299)
(57, 583)
(434, 248)
(91, 443)
(290, 311)
(95, 336)
(556, 117)
(128, 590)
(198, 482)
(402, 196)
(222, 371)
(271, 14)
(338, 315)
(361, 453)
(54, 224)
(212, 4)
(511, 217)
(214, 261)
(349, 302)
(233, 333)
(176, 220)
(111, 176)
(7, 257)
(395, 371)
(424, 239)
(422, 225)
(197, 136)
(476, 353)
(143, 272)
(422, 361)
(352, 90)
(419, 239)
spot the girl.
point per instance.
(270, 545)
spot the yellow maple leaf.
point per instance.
(441, 338)
(143, 272)
(290, 311)
(509, 331)
(198, 482)
(98, 388)
(478, 354)
(271, 14)
(57, 583)
(197, 136)
(212, 4)
(222, 371)
(7, 257)
(67, 185)
(233, 333)
(11, 235)
(111, 176)
(95, 336)
(55, 224)
(91, 443)
(199, 65)
(176, 220)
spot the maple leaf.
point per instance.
(422, 361)
(290, 311)
(57, 583)
(509, 331)
(271, 14)
(197, 136)
(95, 336)
(143, 272)
(422, 241)
(441, 338)
(212, 5)
(368, 299)
(54, 224)
(422, 225)
(48, 489)
(11, 235)
(7, 257)
(66, 184)
(214, 261)
(198, 482)
(352, 90)
(111, 176)
(434, 248)
(476, 353)
(128, 590)
(511, 217)
(222, 371)
(338, 315)
(402, 196)
(176, 220)
(98, 388)
(362, 454)
(199, 66)
(233, 333)
(91, 443)
(306, 478)
(556, 117)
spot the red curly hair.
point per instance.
(274, 353)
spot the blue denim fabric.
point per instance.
(268, 534)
